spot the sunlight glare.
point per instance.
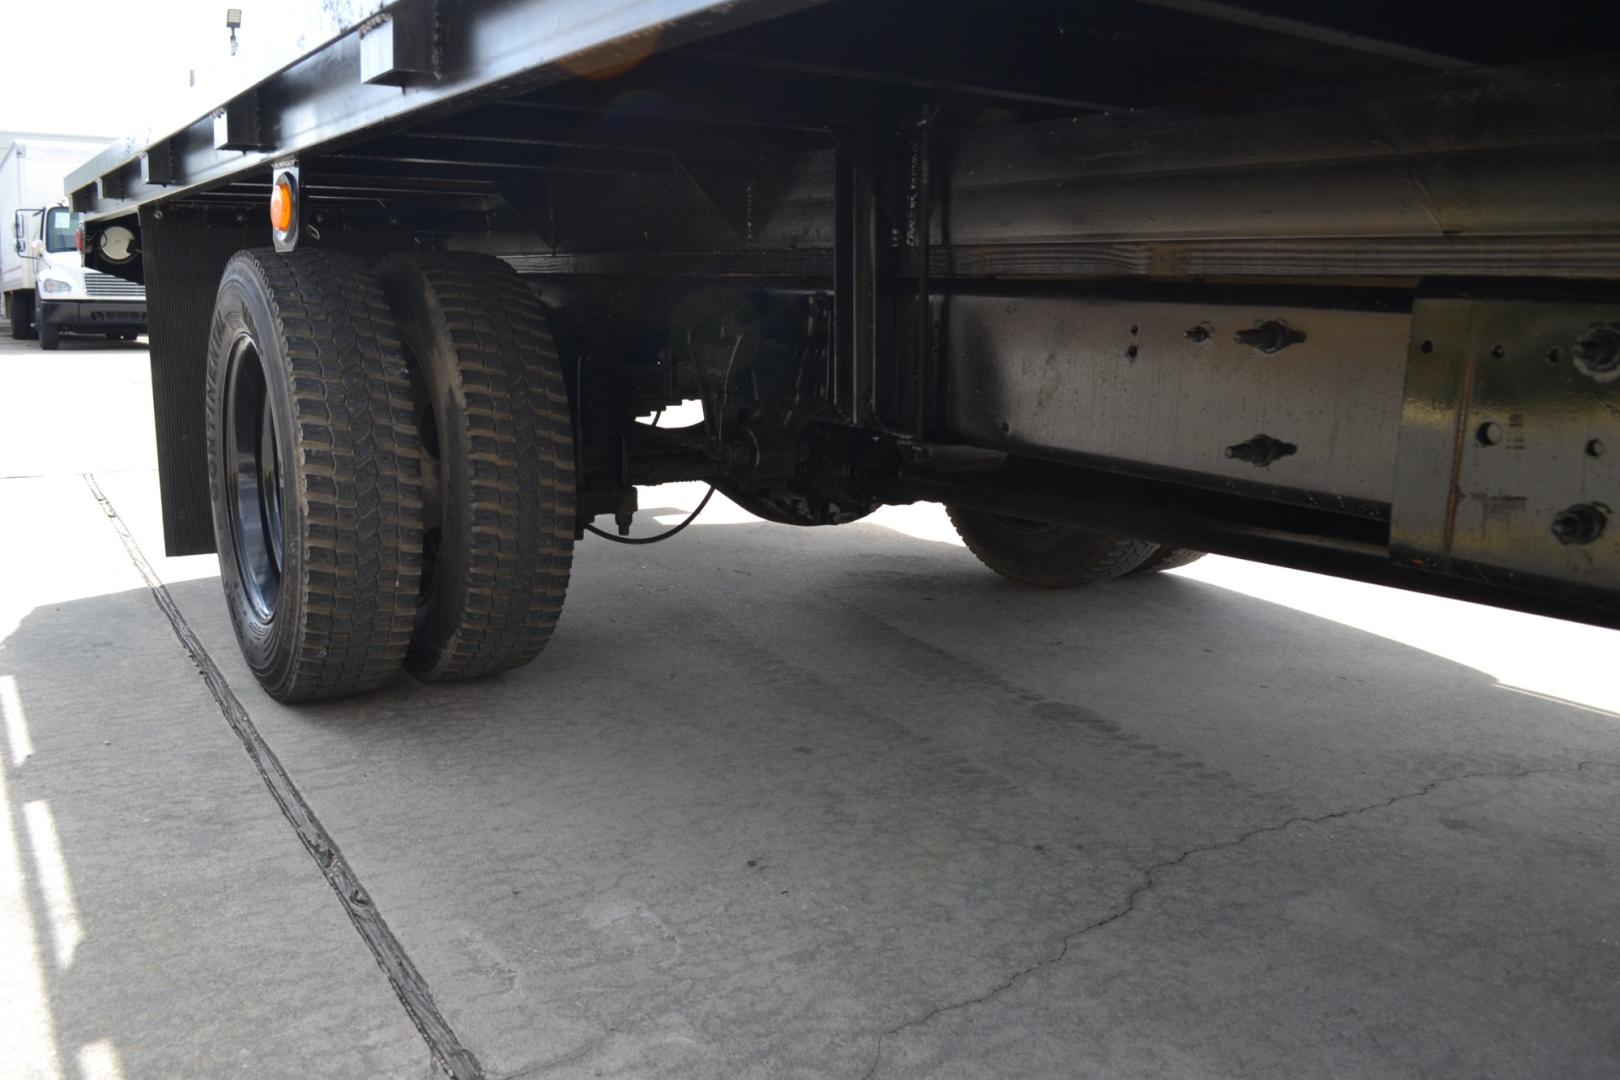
(99, 1061)
(27, 1035)
(1551, 658)
(22, 746)
(66, 932)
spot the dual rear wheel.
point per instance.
(1059, 556)
(391, 468)
(391, 465)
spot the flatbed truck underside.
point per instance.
(1330, 286)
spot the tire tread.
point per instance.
(1168, 557)
(1084, 558)
(356, 459)
(520, 468)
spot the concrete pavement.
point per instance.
(800, 803)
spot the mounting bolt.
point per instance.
(1489, 433)
(1597, 352)
(1580, 524)
(1270, 336)
(1261, 450)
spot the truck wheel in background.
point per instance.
(497, 463)
(22, 316)
(1048, 556)
(1168, 558)
(50, 336)
(313, 473)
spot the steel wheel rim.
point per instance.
(253, 479)
(434, 480)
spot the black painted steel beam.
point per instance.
(320, 101)
(1321, 33)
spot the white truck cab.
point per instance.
(47, 289)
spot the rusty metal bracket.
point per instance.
(1501, 472)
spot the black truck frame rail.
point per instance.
(1335, 286)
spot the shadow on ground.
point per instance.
(69, 343)
(766, 799)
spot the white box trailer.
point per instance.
(47, 289)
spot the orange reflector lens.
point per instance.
(281, 205)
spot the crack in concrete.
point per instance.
(1150, 878)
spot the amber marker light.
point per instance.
(281, 205)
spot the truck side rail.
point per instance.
(414, 57)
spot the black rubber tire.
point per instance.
(22, 316)
(1046, 556)
(50, 336)
(498, 463)
(1166, 557)
(347, 479)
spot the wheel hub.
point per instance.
(253, 480)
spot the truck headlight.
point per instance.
(50, 285)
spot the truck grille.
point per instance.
(114, 288)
